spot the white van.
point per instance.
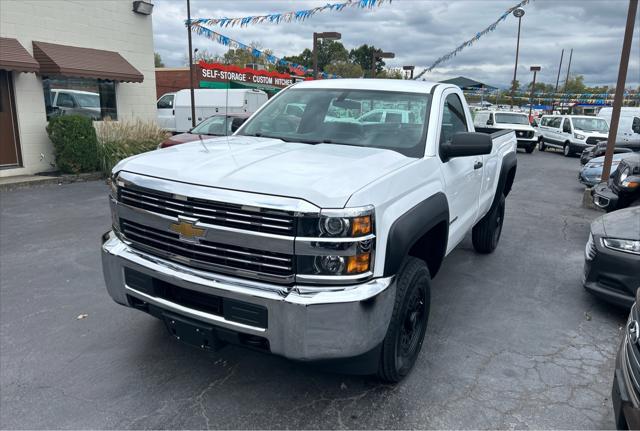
(629, 125)
(174, 109)
(571, 133)
(492, 121)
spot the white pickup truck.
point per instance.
(305, 236)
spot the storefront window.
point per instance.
(93, 98)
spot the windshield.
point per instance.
(367, 118)
(590, 124)
(218, 125)
(88, 100)
(512, 118)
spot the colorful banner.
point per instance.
(272, 59)
(276, 18)
(472, 40)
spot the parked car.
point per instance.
(75, 102)
(387, 116)
(623, 187)
(599, 149)
(493, 121)
(174, 109)
(310, 239)
(612, 257)
(216, 125)
(591, 173)
(628, 125)
(571, 133)
(625, 391)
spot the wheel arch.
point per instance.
(421, 232)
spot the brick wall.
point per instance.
(174, 79)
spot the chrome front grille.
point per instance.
(524, 134)
(208, 212)
(631, 352)
(592, 140)
(204, 254)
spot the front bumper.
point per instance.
(603, 197)
(302, 324)
(589, 179)
(625, 410)
(527, 142)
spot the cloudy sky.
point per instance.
(421, 31)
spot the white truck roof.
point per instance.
(404, 85)
(215, 97)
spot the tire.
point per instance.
(403, 341)
(566, 150)
(541, 145)
(486, 233)
(530, 148)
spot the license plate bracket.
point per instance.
(192, 332)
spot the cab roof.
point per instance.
(400, 85)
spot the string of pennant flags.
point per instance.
(551, 95)
(474, 39)
(277, 18)
(270, 58)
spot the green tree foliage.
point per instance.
(388, 73)
(344, 69)
(74, 143)
(363, 56)
(575, 85)
(158, 60)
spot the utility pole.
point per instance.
(566, 81)
(534, 69)
(622, 76)
(193, 105)
(518, 13)
(555, 92)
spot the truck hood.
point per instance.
(324, 174)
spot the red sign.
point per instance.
(223, 72)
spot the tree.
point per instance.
(541, 87)
(344, 69)
(515, 85)
(575, 85)
(329, 51)
(389, 73)
(362, 56)
(305, 58)
(158, 60)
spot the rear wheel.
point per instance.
(486, 233)
(541, 145)
(401, 346)
(566, 150)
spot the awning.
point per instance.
(79, 62)
(14, 56)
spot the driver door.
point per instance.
(462, 175)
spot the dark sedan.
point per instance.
(216, 125)
(622, 190)
(625, 393)
(612, 257)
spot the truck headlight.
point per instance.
(578, 136)
(336, 246)
(624, 245)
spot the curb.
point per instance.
(59, 180)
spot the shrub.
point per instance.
(118, 140)
(74, 142)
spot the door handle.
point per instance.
(477, 164)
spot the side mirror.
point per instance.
(636, 127)
(465, 144)
(489, 122)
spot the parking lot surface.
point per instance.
(513, 339)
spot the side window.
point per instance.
(453, 118)
(566, 126)
(64, 100)
(555, 122)
(166, 102)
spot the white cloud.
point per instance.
(421, 31)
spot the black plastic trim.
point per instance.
(411, 226)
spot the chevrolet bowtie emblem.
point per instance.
(187, 229)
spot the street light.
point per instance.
(518, 13)
(409, 68)
(378, 54)
(327, 35)
(534, 69)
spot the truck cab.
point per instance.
(310, 236)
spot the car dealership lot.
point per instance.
(513, 339)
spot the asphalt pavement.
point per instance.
(513, 339)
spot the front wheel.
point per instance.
(541, 145)
(402, 344)
(530, 148)
(486, 233)
(566, 150)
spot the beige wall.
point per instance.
(109, 25)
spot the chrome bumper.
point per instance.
(303, 323)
